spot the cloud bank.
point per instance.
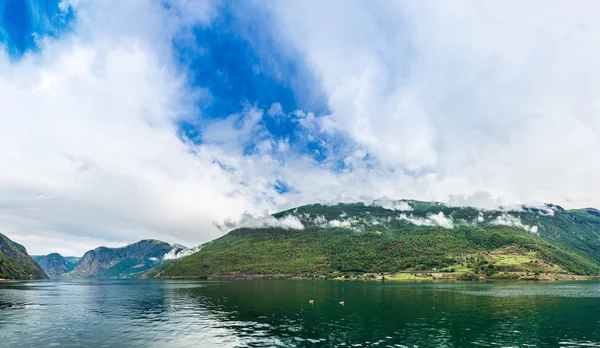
(506, 219)
(125, 120)
(387, 203)
(438, 219)
(179, 252)
(265, 220)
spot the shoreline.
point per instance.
(401, 276)
(398, 277)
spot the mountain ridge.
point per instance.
(55, 265)
(128, 261)
(123, 262)
(401, 236)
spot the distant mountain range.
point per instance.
(15, 263)
(127, 262)
(55, 265)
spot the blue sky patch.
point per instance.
(239, 61)
(22, 22)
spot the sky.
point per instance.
(128, 120)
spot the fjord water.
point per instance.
(154, 313)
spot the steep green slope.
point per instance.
(55, 265)
(15, 263)
(126, 262)
(371, 239)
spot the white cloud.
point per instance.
(390, 204)
(441, 220)
(179, 252)
(247, 220)
(544, 209)
(505, 219)
(340, 224)
(438, 219)
(320, 220)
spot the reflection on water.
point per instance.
(149, 313)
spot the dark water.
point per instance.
(148, 313)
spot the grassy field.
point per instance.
(409, 276)
(511, 260)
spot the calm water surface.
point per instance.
(152, 313)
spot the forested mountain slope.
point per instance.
(15, 263)
(391, 237)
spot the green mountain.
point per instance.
(15, 263)
(55, 265)
(126, 262)
(403, 238)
